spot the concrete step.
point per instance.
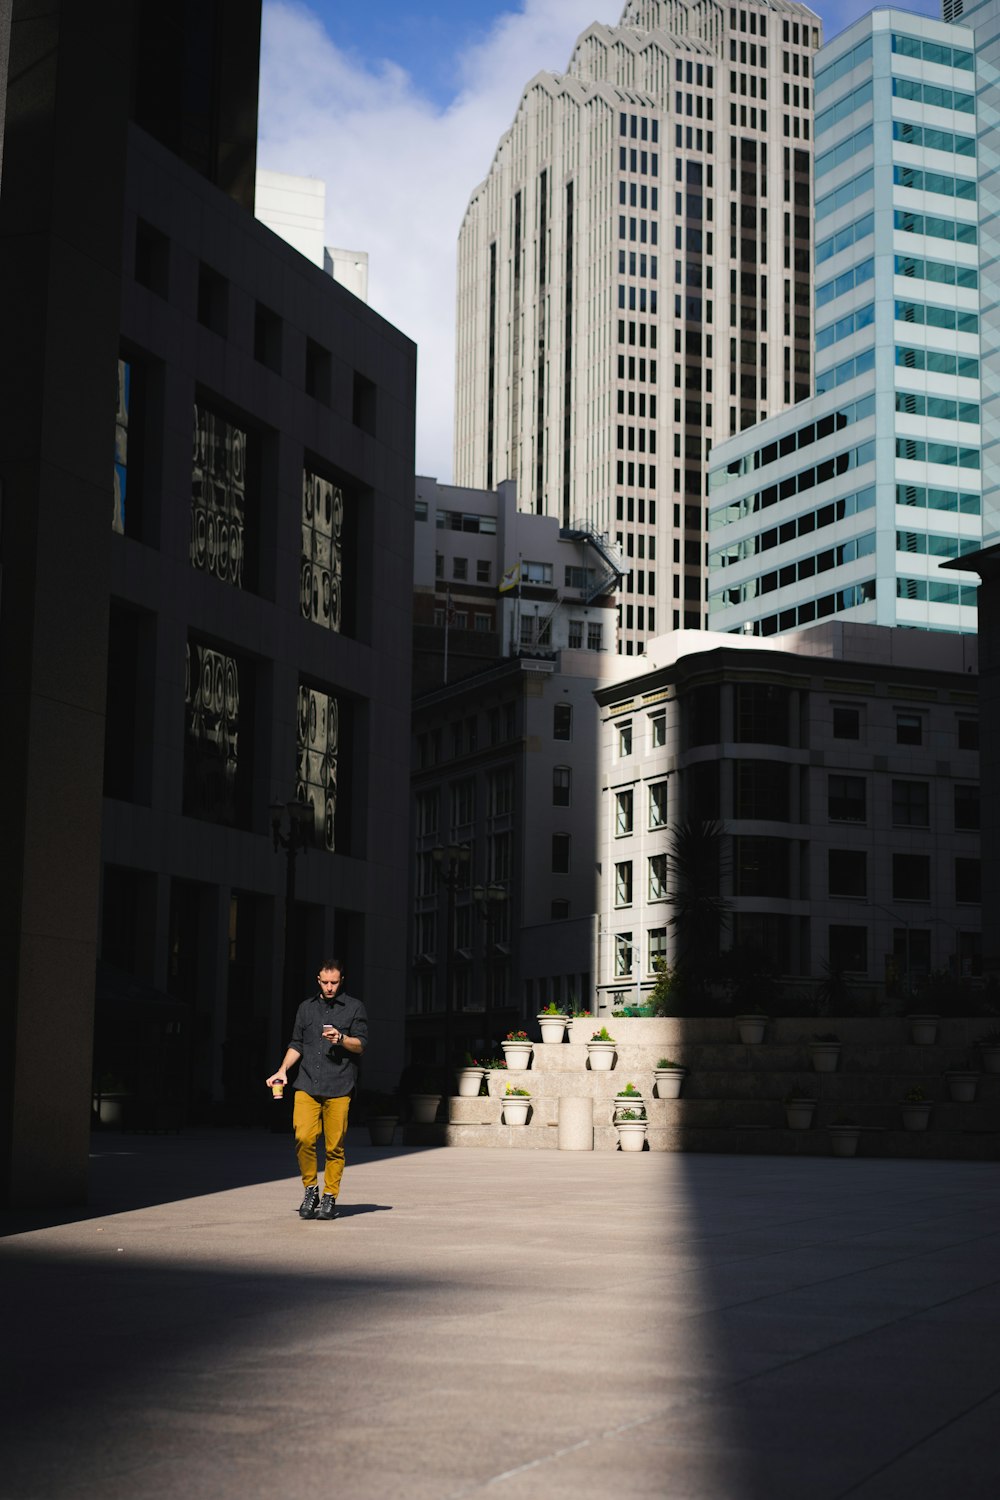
(886, 1083)
(871, 1107)
(766, 1141)
(898, 1056)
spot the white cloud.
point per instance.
(398, 170)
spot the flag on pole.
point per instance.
(510, 579)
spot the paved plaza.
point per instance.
(539, 1325)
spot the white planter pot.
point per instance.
(825, 1056)
(631, 1134)
(962, 1086)
(110, 1111)
(844, 1139)
(553, 1028)
(630, 1101)
(751, 1029)
(668, 1082)
(381, 1130)
(601, 1055)
(424, 1108)
(517, 1055)
(515, 1109)
(468, 1080)
(991, 1059)
(800, 1115)
(923, 1030)
(916, 1116)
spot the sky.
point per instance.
(398, 107)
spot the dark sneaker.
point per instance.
(327, 1208)
(307, 1208)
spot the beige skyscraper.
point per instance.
(634, 281)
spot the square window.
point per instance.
(910, 804)
(559, 911)
(911, 877)
(968, 734)
(658, 804)
(846, 722)
(152, 258)
(213, 300)
(624, 740)
(909, 729)
(846, 799)
(460, 568)
(219, 711)
(562, 721)
(483, 570)
(658, 729)
(624, 802)
(225, 471)
(656, 950)
(318, 372)
(968, 881)
(657, 877)
(363, 403)
(267, 337)
(561, 782)
(847, 872)
(560, 854)
(966, 806)
(623, 883)
(623, 954)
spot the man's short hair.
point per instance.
(332, 963)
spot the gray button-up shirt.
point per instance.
(327, 1071)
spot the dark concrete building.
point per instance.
(234, 635)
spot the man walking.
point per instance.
(328, 1038)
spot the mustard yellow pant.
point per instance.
(312, 1118)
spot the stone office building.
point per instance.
(205, 605)
(843, 765)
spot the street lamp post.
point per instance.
(450, 862)
(489, 899)
(291, 830)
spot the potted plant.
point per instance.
(579, 1021)
(552, 1021)
(916, 1108)
(381, 1117)
(515, 1105)
(601, 1051)
(751, 1029)
(628, 1098)
(962, 1084)
(668, 1077)
(824, 1051)
(844, 1135)
(631, 1127)
(110, 1095)
(989, 1051)
(799, 1110)
(923, 1029)
(425, 1097)
(469, 1077)
(517, 1048)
